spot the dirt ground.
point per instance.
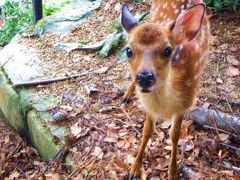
(108, 132)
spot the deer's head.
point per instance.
(151, 47)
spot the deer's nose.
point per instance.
(145, 79)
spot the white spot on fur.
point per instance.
(165, 5)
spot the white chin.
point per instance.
(145, 90)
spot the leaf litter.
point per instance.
(108, 137)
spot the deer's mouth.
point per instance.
(145, 89)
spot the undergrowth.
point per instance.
(17, 17)
(222, 5)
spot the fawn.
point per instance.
(166, 57)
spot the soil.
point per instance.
(109, 131)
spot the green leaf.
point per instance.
(217, 5)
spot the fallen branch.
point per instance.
(49, 81)
(226, 122)
(231, 167)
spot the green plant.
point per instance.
(219, 5)
(17, 17)
(51, 8)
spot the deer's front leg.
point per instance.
(148, 130)
(129, 93)
(173, 173)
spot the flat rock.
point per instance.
(67, 18)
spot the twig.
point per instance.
(49, 81)
(14, 151)
(221, 130)
(54, 157)
(224, 144)
(227, 100)
(129, 118)
(72, 173)
(231, 167)
(229, 146)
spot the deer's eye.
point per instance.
(167, 52)
(129, 52)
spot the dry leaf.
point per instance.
(219, 80)
(75, 129)
(166, 124)
(91, 89)
(120, 163)
(169, 148)
(232, 71)
(117, 7)
(223, 137)
(98, 152)
(107, 6)
(106, 109)
(206, 105)
(102, 70)
(232, 60)
(66, 108)
(120, 144)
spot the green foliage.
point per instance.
(17, 17)
(219, 5)
(51, 8)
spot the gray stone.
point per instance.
(67, 18)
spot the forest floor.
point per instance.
(111, 132)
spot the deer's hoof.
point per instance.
(134, 172)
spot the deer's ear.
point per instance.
(188, 23)
(127, 19)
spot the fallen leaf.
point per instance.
(223, 137)
(232, 71)
(233, 49)
(120, 163)
(120, 144)
(75, 129)
(123, 133)
(102, 70)
(206, 105)
(232, 60)
(219, 80)
(166, 124)
(66, 108)
(169, 148)
(107, 6)
(91, 89)
(106, 109)
(117, 7)
(98, 152)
